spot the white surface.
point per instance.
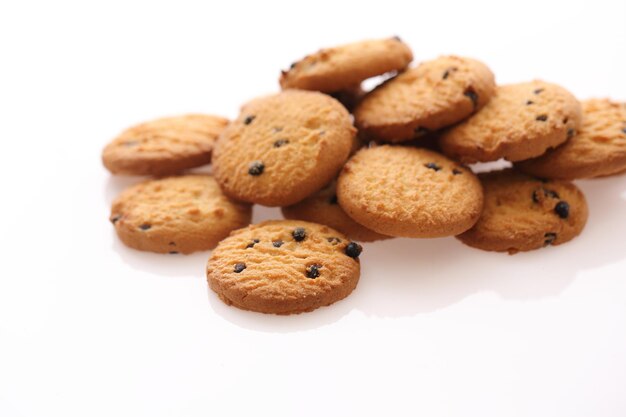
(90, 328)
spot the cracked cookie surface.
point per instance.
(284, 267)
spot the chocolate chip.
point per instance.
(172, 243)
(397, 38)
(334, 240)
(550, 193)
(145, 226)
(542, 117)
(353, 250)
(420, 131)
(333, 199)
(529, 102)
(570, 133)
(248, 120)
(277, 243)
(256, 168)
(251, 244)
(562, 209)
(456, 171)
(565, 120)
(446, 74)
(280, 142)
(299, 234)
(240, 266)
(624, 130)
(538, 91)
(433, 166)
(471, 94)
(313, 271)
(549, 238)
(173, 252)
(293, 65)
(115, 218)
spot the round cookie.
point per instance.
(433, 95)
(176, 215)
(323, 208)
(520, 122)
(409, 192)
(283, 148)
(598, 148)
(522, 213)
(164, 146)
(284, 267)
(335, 69)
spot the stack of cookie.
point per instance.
(395, 167)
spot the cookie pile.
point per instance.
(347, 165)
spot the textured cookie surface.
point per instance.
(177, 214)
(520, 122)
(431, 96)
(522, 213)
(597, 149)
(283, 148)
(334, 69)
(164, 146)
(284, 267)
(410, 192)
(323, 208)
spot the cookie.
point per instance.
(283, 148)
(597, 149)
(409, 192)
(323, 208)
(520, 122)
(284, 267)
(176, 215)
(523, 213)
(164, 146)
(335, 69)
(431, 96)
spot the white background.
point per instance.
(90, 328)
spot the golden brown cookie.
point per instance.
(409, 192)
(433, 95)
(323, 208)
(284, 267)
(340, 68)
(283, 148)
(522, 213)
(176, 215)
(520, 122)
(598, 149)
(164, 146)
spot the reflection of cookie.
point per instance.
(284, 267)
(598, 149)
(164, 146)
(433, 95)
(410, 192)
(521, 121)
(283, 148)
(177, 214)
(522, 213)
(339, 68)
(322, 207)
